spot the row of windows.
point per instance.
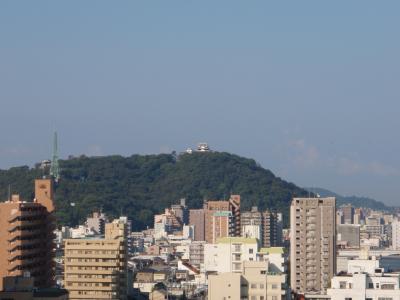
(256, 298)
(72, 243)
(89, 284)
(107, 260)
(72, 268)
(91, 252)
(261, 286)
(91, 276)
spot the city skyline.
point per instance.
(307, 90)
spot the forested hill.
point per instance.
(141, 185)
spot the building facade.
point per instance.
(348, 214)
(97, 268)
(313, 244)
(269, 225)
(396, 234)
(253, 283)
(229, 253)
(197, 219)
(348, 235)
(222, 218)
(26, 236)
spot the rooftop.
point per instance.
(242, 240)
(272, 250)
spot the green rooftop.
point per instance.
(272, 250)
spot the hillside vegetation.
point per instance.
(141, 185)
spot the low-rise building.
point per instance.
(365, 279)
(22, 288)
(229, 253)
(253, 282)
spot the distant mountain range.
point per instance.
(353, 200)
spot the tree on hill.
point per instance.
(141, 185)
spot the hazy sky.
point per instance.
(309, 89)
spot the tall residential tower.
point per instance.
(26, 236)
(312, 244)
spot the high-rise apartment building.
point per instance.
(268, 223)
(222, 218)
(26, 236)
(97, 268)
(348, 214)
(197, 218)
(312, 244)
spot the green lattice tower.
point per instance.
(54, 167)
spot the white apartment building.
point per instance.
(365, 286)
(229, 253)
(276, 258)
(365, 279)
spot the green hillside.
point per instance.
(140, 186)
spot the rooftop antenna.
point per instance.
(54, 167)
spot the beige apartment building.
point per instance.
(313, 244)
(254, 283)
(97, 268)
(26, 236)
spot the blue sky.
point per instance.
(309, 89)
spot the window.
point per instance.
(250, 251)
(342, 284)
(263, 272)
(348, 298)
(387, 286)
(261, 285)
(253, 298)
(274, 286)
(253, 286)
(274, 297)
(237, 247)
